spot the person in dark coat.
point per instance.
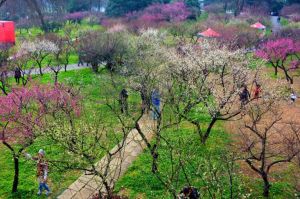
(189, 192)
(123, 101)
(18, 75)
(244, 96)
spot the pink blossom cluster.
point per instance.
(172, 12)
(158, 14)
(24, 111)
(76, 16)
(278, 50)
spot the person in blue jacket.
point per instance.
(155, 98)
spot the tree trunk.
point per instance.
(41, 71)
(266, 185)
(3, 89)
(276, 71)
(287, 76)
(34, 5)
(208, 130)
(56, 79)
(16, 177)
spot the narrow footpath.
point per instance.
(88, 185)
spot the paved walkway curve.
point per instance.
(36, 71)
(276, 25)
(87, 185)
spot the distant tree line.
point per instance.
(41, 10)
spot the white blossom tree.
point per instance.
(39, 50)
(206, 79)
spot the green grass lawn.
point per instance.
(139, 182)
(284, 21)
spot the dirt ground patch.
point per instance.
(290, 114)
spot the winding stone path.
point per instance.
(87, 185)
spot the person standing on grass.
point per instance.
(123, 101)
(42, 171)
(18, 75)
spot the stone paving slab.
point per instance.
(87, 185)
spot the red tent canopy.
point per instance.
(7, 32)
(209, 33)
(258, 25)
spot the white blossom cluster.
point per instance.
(39, 46)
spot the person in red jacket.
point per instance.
(257, 91)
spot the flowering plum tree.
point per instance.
(23, 117)
(209, 79)
(76, 17)
(38, 50)
(173, 12)
(276, 53)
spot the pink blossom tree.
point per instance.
(76, 17)
(173, 12)
(276, 53)
(24, 115)
(157, 14)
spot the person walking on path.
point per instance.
(18, 75)
(42, 171)
(155, 98)
(244, 96)
(123, 101)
